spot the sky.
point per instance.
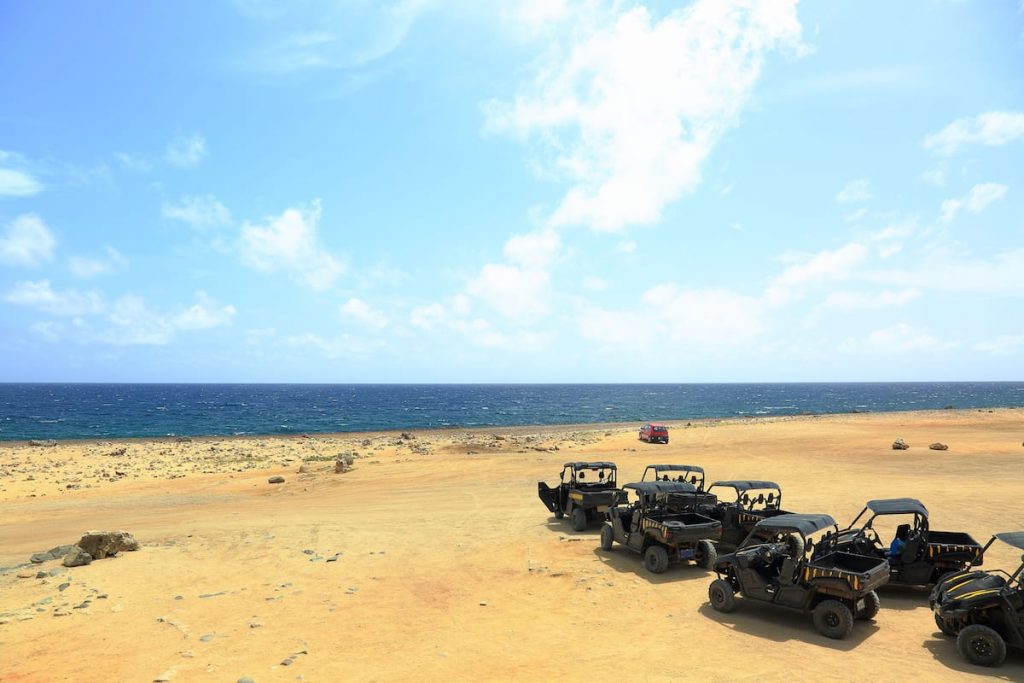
(516, 191)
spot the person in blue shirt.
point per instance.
(898, 543)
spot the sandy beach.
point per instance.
(433, 559)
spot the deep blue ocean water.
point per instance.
(87, 411)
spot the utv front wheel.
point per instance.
(722, 596)
(944, 626)
(871, 605)
(578, 519)
(833, 619)
(656, 559)
(607, 537)
(981, 645)
(706, 555)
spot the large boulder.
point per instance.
(101, 544)
(900, 445)
(51, 554)
(939, 446)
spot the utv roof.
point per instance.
(748, 484)
(591, 465)
(1014, 538)
(649, 488)
(676, 468)
(897, 506)
(805, 524)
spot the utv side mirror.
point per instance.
(693, 479)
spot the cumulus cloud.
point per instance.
(41, 295)
(631, 111)
(91, 266)
(361, 313)
(898, 339)
(979, 197)
(829, 265)
(991, 129)
(515, 292)
(854, 191)
(26, 242)
(534, 249)
(202, 211)
(186, 150)
(290, 243)
(204, 314)
(15, 183)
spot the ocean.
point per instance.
(93, 411)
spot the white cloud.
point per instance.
(337, 347)
(186, 151)
(855, 216)
(1003, 344)
(898, 339)
(199, 211)
(534, 249)
(822, 267)
(517, 293)
(204, 314)
(629, 114)
(854, 191)
(848, 300)
(26, 242)
(39, 294)
(89, 266)
(709, 318)
(630, 329)
(48, 330)
(427, 317)
(480, 332)
(360, 312)
(992, 129)
(15, 183)
(979, 197)
(1003, 274)
(289, 243)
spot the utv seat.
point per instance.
(912, 549)
(626, 517)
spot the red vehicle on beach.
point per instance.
(652, 433)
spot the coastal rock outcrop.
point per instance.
(102, 544)
(939, 446)
(51, 554)
(900, 445)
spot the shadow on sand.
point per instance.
(625, 561)
(780, 625)
(943, 649)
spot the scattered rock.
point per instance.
(184, 439)
(77, 558)
(900, 445)
(62, 612)
(308, 551)
(276, 479)
(64, 586)
(213, 595)
(102, 544)
(43, 443)
(26, 574)
(287, 661)
(483, 603)
(406, 436)
(303, 468)
(939, 446)
(340, 467)
(334, 558)
(245, 679)
(165, 677)
(206, 638)
(255, 624)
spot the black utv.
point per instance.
(983, 609)
(918, 554)
(771, 566)
(586, 491)
(741, 504)
(658, 533)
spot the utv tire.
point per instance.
(607, 537)
(722, 596)
(871, 605)
(578, 519)
(706, 555)
(944, 626)
(833, 619)
(981, 645)
(656, 559)
(559, 514)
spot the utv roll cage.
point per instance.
(688, 473)
(1013, 539)
(578, 473)
(743, 487)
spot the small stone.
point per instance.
(939, 446)
(213, 595)
(26, 574)
(82, 605)
(276, 479)
(483, 603)
(303, 468)
(900, 445)
(334, 558)
(309, 551)
(42, 575)
(179, 597)
(255, 624)
(245, 679)
(63, 586)
(39, 558)
(206, 638)
(165, 677)
(287, 661)
(61, 612)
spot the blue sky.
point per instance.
(429, 191)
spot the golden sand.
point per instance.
(447, 566)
